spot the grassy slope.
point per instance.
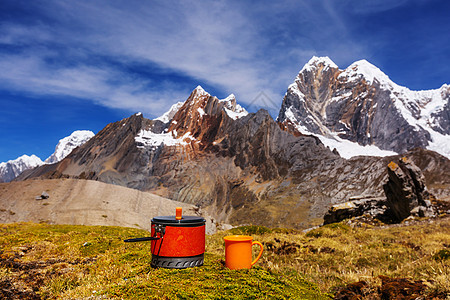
(82, 261)
(60, 261)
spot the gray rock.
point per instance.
(406, 196)
(423, 212)
(405, 190)
(375, 207)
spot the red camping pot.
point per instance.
(176, 241)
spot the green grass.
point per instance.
(78, 262)
(62, 261)
(213, 281)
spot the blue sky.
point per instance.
(68, 65)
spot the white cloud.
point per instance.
(30, 74)
(225, 44)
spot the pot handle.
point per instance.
(142, 239)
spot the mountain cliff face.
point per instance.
(241, 168)
(362, 105)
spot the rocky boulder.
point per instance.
(405, 190)
(373, 206)
(406, 195)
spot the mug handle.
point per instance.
(260, 252)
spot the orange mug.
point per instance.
(238, 251)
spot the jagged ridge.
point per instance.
(243, 170)
(362, 105)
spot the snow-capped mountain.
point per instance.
(360, 111)
(12, 168)
(240, 167)
(67, 144)
(186, 120)
(232, 109)
(166, 117)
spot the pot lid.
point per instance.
(184, 221)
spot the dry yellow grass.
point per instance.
(78, 262)
(335, 255)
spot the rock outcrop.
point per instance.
(372, 206)
(405, 190)
(405, 195)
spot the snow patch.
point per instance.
(167, 116)
(290, 115)
(232, 109)
(201, 112)
(238, 113)
(231, 97)
(346, 148)
(439, 143)
(149, 139)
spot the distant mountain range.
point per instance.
(13, 168)
(247, 168)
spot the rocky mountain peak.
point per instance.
(67, 144)
(230, 102)
(313, 73)
(12, 168)
(316, 63)
(167, 116)
(199, 91)
(360, 111)
(200, 114)
(364, 70)
(192, 125)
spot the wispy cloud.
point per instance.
(80, 48)
(105, 86)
